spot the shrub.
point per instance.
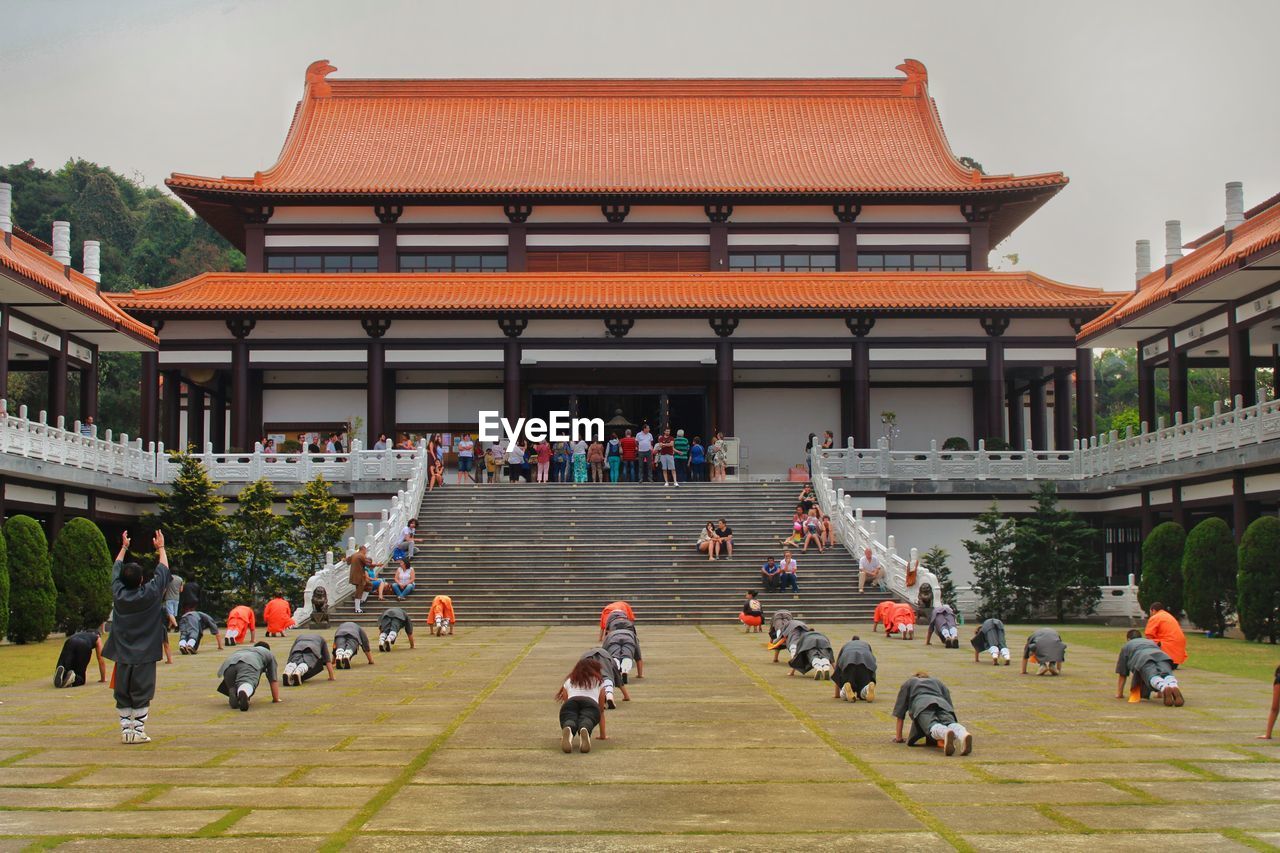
(82, 576)
(290, 445)
(1054, 554)
(1209, 574)
(956, 442)
(318, 521)
(1161, 578)
(1258, 581)
(33, 599)
(996, 443)
(4, 587)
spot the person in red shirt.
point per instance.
(1164, 630)
(628, 443)
(543, 451)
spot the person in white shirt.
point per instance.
(787, 572)
(583, 702)
(466, 456)
(869, 568)
(86, 427)
(644, 454)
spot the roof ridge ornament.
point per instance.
(917, 82)
(317, 85)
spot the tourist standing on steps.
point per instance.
(543, 451)
(613, 453)
(667, 458)
(644, 454)
(493, 462)
(697, 461)
(933, 717)
(137, 637)
(582, 700)
(595, 460)
(580, 448)
(466, 457)
(719, 459)
(855, 671)
(358, 576)
(560, 454)
(629, 446)
(682, 457)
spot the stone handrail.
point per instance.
(1118, 602)
(1103, 454)
(40, 440)
(335, 576)
(355, 465)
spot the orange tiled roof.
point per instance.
(698, 136)
(71, 287)
(1254, 234)
(633, 293)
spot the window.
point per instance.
(322, 263)
(783, 262)
(453, 263)
(904, 262)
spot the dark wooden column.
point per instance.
(1239, 506)
(1177, 384)
(995, 421)
(1013, 400)
(512, 327)
(861, 375)
(724, 386)
(58, 383)
(1178, 514)
(388, 244)
(195, 418)
(4, 354)
(979, 385)
(389, 419)
(1148, 520)
(847, 235)
(517, 236)
(89, 389)
(1275, 370)
(1084, 394)
(1062, 409)
(1146, 391)
(255, 241)
(171, 412)
(718, 235)
(1239, 360)
(218, 414)
(376, 374)
(241, 437)
(1039, 415)
(979, 245)
(149, 382)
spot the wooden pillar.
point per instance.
(1179, 515)
(241, 439)
(58, 383)
(375, 402)
(149, 382)
(979, 386)
(59, 515)
(847, 258)
(218, 414)
(1039, 415)
(388, 257)
(1275, 371)
(1084, 394)
(195, 418)
(860, 375)
(1239, 506)
(511, 379)
(1146, 391)
(995, 389)
(979, 245)
(724, 387)
(1062, 409)
(255, 241)
(171, 412)
(719, 245)
(1177, 384)
(389, 419)
(517, 247)
(1013, 397)
(89, 391)
(4, 354)
(1148, 515)
(1239, 361)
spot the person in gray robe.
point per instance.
(812, 652)
(1151, 667)
(943, 623)
(191, 628)
(308, 655)
(788, 636)
(933, 717)
(347, 640)
(778, 624)
(618, 621)
(625, 650)
(392, 621)
(855, 671)
(989, 637)
(1046, 644)
(241, 672)
(137, 638)
(611, 674)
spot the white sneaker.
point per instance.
(126, 736)
(140, 736)
(584, 740)
(966, 745)
(846, 692)
(949, 745)
(869, 692)
(677, 485)
(566, 739)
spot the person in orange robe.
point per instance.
(1164, 630)
(752, 614)
(278, 615)
(610, 608)
(239, 622)
(902, 620)
(440, 618)
(881, 615)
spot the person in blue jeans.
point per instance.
(697, 460)
(404, 582)
(787, 574)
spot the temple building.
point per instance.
(763, 258)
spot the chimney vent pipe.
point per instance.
(1142, 251)
(62, 242)
(1172, 241)
(1235, 206)
(92, 260)
(6, 208)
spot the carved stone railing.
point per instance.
(380, 539)
(356, 465)
(37, 439)
(1118, 603)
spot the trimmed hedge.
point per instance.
(82, 575)
(33, 599)
(1258, 580)
(4, 587)
(1209, 574)
(1162, 567)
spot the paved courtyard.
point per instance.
(455, 745)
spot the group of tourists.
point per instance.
(364, 575)
(809, 524)
(589, 688)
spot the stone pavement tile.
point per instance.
(223, 775)
(1021, 792)
(66, 798)
(727, 843)
(992, 818)
(452, 765)
(112, 753)
(851, 806)
(631, 731)
(276, 798)
(294, 821)
(1210, 792)
(1272, 838)
(330, 758)
(1242, 769)
(33, 775)
(340, 776)
(932, 771)
(167, 845)
(1085, 772)
(1073, 843)
(183, 822)
(1128, 755)
(1180, 816)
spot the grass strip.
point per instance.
(340, 839)
(1070, 824)
(222, 824)
(1242, 837)
(885, 784)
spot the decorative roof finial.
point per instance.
(917, 77)
(317, 86)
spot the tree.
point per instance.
(82, 575)
(195, 531)
(935, 560)
(1054, 552)
(260, 541)
(33, 599)
(1258, 580)
(991, 555)
(1162, 567)
(1209, 574)
(318, 522)
(4, 587)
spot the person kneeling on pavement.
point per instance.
(241, 672)
(812, 652)
(855, 672)
(347, 640)
(933, 717)
(392, 621)
(610, 674)
(1152, 670)
(308, 655)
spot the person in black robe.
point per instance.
(137, 638)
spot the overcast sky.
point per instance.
(1149, 107)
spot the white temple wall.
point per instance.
(301, 406)
(454, 406)
(774, 424)
(924, 414)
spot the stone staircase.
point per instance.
(556, 553)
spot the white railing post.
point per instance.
(935, 461)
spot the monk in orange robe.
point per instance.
(901, 620)
(615, 606)
(440, 618)
(881, 616)
(278, 615)
(240, 621)
(1163, 629)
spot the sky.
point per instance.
(1149, 107)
